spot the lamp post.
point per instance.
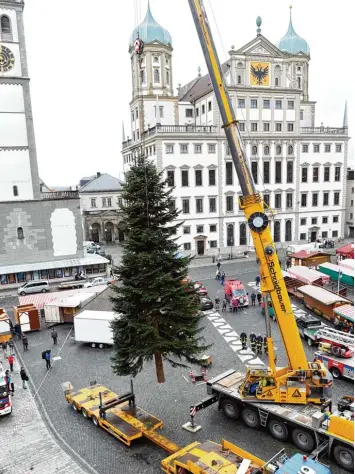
(340, 274)
(231, 243)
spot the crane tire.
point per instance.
(95, 421)
(278, 429)
(84, 413)
(251, 418)
(230, 408)
(303, 440)
(344, 457)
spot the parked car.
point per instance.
(206, 303)
(308, 326)
(90, 244)
(33, 287)
(102, 281)
(200, 289)
(96, 251)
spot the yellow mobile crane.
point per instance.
(300, 382)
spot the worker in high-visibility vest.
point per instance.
(252, 339)
(265, 344)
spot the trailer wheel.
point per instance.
(251, 418)
(95, 421)
(101, 346)
(344, 457)
(278, 429)
(93, 345)
(335, 372)
(230, 408)
(84, 413)
(75, 408)
(303, 440)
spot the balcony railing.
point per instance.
(61, 195)
(324, 130)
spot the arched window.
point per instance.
(254, 150)
(142, 74)
(156, 60)
(290, 150)
(276, 81)
(240, 73)
(299, 82)
(167, 77)
(156, 75)
(20, 233)
(278, 150)
(277, 231)
(277, 75)
(243, 234)
(5, 28)
(15, 190)
(230, 235)
(266, 150)
(288, 231)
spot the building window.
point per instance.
(211, 149)
(203, 109)
(266, 126)
(314, 199)
(266, 103)
(254, 150)
(5, 28)
(290, 127)
(278, 201)
(119, 202)
(172, 206)
(211, 177)
(20, 233)
(303, 221)
(198, 177)
(289, 200)
(303, 236)
(338, 148)
(209, 106)
(266, 198)
(198, 149)
(213, 244)
(335, 219)
(288, 231)
(241, 126)
(254, 126)
(241, 103)
(278, 127)
(304, 200)
(171, 178)
(289, 178)
(169, 149)
(327, 148)
(324, 220)
(315, 174)
(324, 234)
(186, 206)
(314, 220)
(276, 81)
(184, 178)
(336, 198)
(315, 148)
(228, 150)
(199, 229)
(15, 190)
(229, 173)
(142, 74)
(103, 202)
(239, 79)
(326, 173)
(337, 173)
(266, 173)
(277, 231)
(290, 104)
(197, 112)
(243, 234)
(156, 75)
(278, 104)
(189, 113)
(254, 171)
(167, 77)
(254, 103)
(304, 148)
(290, 150)
(187, 246)
(325, 199)
(199, 205)
(278, 172)
(213, 207)
(213, 228)
(93, 202)
(266, 150)
(278, 150)
(184, 149)
(301, 114)
(334, 233)
(186, 229)
(229, 204)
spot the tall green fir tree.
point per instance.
(158, 309)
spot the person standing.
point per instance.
(243, 340)
(218, 274)
(259, 344)
(252, 339)
(257, 280)
(11, 360)
(54, 336)
(8, 380)
(25, 342)
(235, 305)
(265, 345)
(4, 348)
(223, 276)
(259, 297)
(47, 357)
(24, 377)
(218, 265)
(224, 306)
(11, 346)
(253, 298)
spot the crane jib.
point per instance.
(276, 284)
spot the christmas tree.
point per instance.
(158, 309)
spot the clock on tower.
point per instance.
(7, 59)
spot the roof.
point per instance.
(291, 42)
(199, 86)
(307, 254)
(320, 294)
(105, 315)
(103, 182)
(150, 30)
(90, 259)
(347, 250)
(305, 273)
(336, 268)
(72, 301)
(102, 300)
(347, 263)
(346, 311)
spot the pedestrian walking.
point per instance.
(257, 280)
(11, 346)
(218, 274)
(259, 344)
(272, 312)
(213, 259)
(259, 297)
(11, 360)
(8, 380)
(218, 265)
(18, 331)
(47, 357)
(243, 340)
(253, 298)
(223, 276)
(25, 342)
(24, 377)
(224, 306)
(4, 348)
(54, 336)
(265, 345)
(235, 305)
(216, 303)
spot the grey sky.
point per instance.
(80, 69)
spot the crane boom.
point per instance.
(251, 202)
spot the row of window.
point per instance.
(254, 127)
(149, 150)
(326, 174)
(105, 202)
(198, 177)
(314, 220)
(156, 76)
(189, 113)
(324, 235)
(265, 178)
(315, 200)
(266, 103)
(327, 148)
(184, 148)
(213, 245)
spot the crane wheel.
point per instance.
(251, 418)
(75, 408)
(344, 457)
(335, 372)
(230, 408)
(303, 440)
(84, 413)
(278, 429)
(95, 420)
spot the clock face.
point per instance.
(259, 74)
(7, 59)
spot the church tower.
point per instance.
(18, 159)
(152, 82)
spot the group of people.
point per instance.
(257, 343)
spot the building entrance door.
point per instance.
(313, 235)
(200, 247)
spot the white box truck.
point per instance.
(93, 327)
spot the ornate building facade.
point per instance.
(299, 168)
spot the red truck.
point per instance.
(234, 289)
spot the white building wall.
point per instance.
(15, 171)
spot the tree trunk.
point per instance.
(159, 368)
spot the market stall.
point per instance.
(347, 251)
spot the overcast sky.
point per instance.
(80, 68)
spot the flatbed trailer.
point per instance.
(70, 285)
(311, 429)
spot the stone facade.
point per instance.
(349, 216)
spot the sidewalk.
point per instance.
(26, 445)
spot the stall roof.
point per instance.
(321, 294)
(308, 254)
(336, 268)
(71, 301)
(346, 311)
(347, 263)
(105, 315)
(305, 272)
(347, 250)
(90, 259)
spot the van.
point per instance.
(91, 245)
(312, 247)
(33, 287)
